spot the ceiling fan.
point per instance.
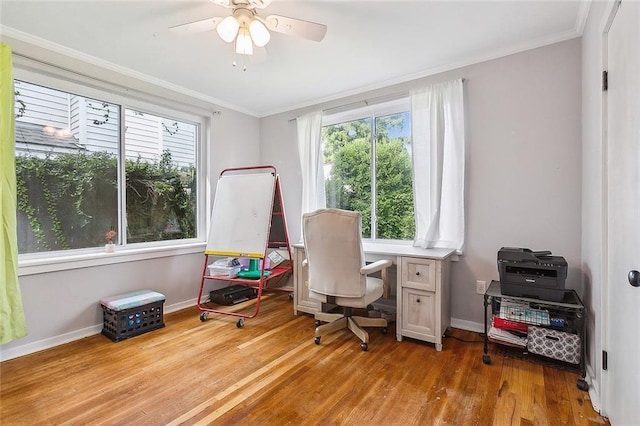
(246, 28)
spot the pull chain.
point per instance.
(234, 63)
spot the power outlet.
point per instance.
(481, 287)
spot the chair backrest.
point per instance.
(333, 246)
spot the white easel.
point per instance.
(247, 220)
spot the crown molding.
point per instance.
(583, 14)
(496, 54)
(32, 46)
(56, 55)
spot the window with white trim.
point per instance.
(367, 167)
(94, 169)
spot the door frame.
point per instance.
(605, 310)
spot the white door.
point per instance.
(623, 140)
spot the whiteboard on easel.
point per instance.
(242, 210)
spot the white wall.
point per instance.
(524, 163)
(236, 141)
(62, 306)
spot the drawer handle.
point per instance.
(417, 300)
(417, 273)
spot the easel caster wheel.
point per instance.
(583, 385)
(364, 347)
(316, 340)
(385, 330)
(240, 323)
(203, 316)
(486, 359)
(318, 323)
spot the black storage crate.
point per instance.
(120, 325)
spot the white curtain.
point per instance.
(438, 154)
(311, 162)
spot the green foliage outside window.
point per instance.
(394, 192)
(69, 201)
(160, 200)
(347, 149)
(349, 184)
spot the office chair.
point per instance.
(338, 273)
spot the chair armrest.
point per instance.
(375, 266)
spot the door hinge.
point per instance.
(605, 362)
(605, 80)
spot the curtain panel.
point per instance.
(438, 155)
(311, 162)
(12, 321)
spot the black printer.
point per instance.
(533, 274)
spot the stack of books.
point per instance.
(507, 337)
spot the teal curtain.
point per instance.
(12, 322)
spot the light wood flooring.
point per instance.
(271, 373)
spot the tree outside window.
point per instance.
(368, 169)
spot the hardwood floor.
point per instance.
(271, 373)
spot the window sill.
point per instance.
(454, 257)
(84, 259)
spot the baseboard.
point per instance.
(179, 306)
(594, 390)
(40, 345)
(467, 325)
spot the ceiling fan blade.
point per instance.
(197, 26)
(297, 27)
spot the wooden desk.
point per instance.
(422, 296)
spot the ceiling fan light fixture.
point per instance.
(259, 33)
(245, 28)
(228, 28)
(244, 45)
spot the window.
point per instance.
(160, 176)
(367, 168)
(89, 165)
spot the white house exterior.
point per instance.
(69, 123)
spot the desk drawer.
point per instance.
(418, 313)
(419, 273)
